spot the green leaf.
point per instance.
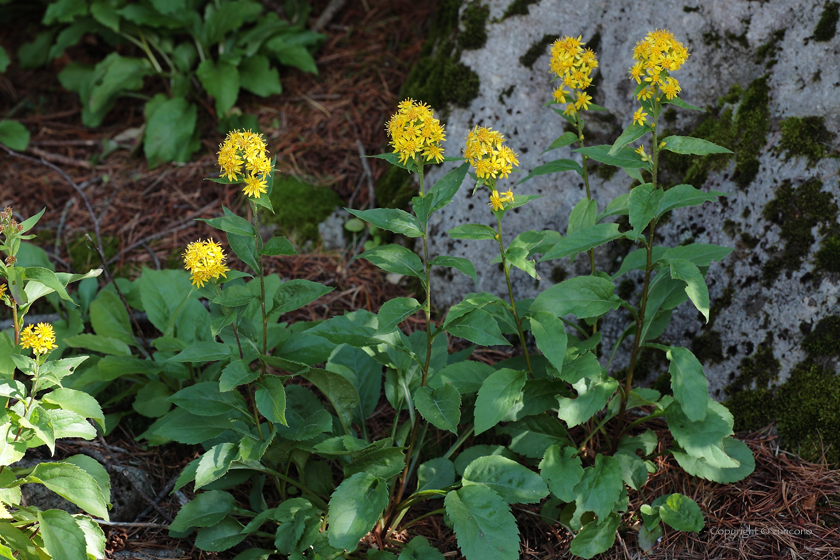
(394, 159)
(698, 466)
(682, 513)
(592, 397)
(564, 140)
(445, 188)
(236, 373)
(205, 510)
(151, 399)
(647, 539)
(630, 134)
(339, 391)
(113, 367)
(619, 206)
(234, 296)
(633, 469)
(231, 223)
(595, 538)
(110, 78)
(701, 254)
(109, 317)
(583, 240)
(682, 104)
(561, 469)
(395, 258)
(479, 327)
(498, 394)
(63, 538)
(695, 283)
(394, 311)
(73, 484)
(555, 166)
(191, 429)
(277, 246)
(637, 260)
(467, 377)
(98, 343)
(582, 296)
(214, 464)
(550, 334)
(222, 536)
(77, 401)
(483, 524)
(271, 399)
(50, 280)
(170, 125)
(643, 204)
(94, 536)
(532, 435)
(681, 196)
(203, 352)
(4, 59)
(459, 263)
(256, 76)
(599, 487)
(688, 382)
(14, 135)
(418, 548)
(94, 469)
(513, 482)
(382, 463)
(435, 474)
(354, 508)
(244, 248)
(441, 406)
(626, 157)
(472, 231)
(391, 219)
(221, 81)
(294, 294)
(205, 399)
(583, 215)
(703, 439)
(693, 146)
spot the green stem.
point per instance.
(459, 442)
(424, 516)
(261, 272)
(506, 268)
(588, 193)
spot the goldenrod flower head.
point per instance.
(205, 260)
(659, 51)
(40, 338)
(487, 153)
(415, 131)
(641, 151)
(574, 65)
(639, 116)
(248, 149)
(495, 201)
(671, 88)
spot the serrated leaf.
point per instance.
(565, 139)
(222, 536)
(483, 524)
(205, 510)
(205, 399)
(582, 296)
(354, 508)
(583, 240)
(394, 311)
(472, 231)
(77, 401)
(688, 382)
(441, 406)
(72, 483)
(271, 399)
(459, 263)
(435, 474)
(479, 327)
(395, 258)
(550, 334)
(703, 439)
(630, 134)
(682, 513)
(561, 469)
(644, 206)
(693, 146)
(701, 468)
(556, 166)
(695, 283)
(236, 373)
(599, 487)
(498, 394)
(592, 397)
(215, 463)
(681, 196)
(513, 482)
(203, 352)
(63, 538)
(391, 219)
(595, 538)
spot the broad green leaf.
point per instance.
(550, 334)
(342, 330)
(161, 291)
(470, 454)
(630, 134)
(637, 260)
(513, 482)
(50, 280)
(694, 146)
(647, 539)
(14, 135)
(599, 487)
(695, 283)
(582, 296)
(626, 157)
(700, 467)
(394, 159)
(236, 373)
(94, 536)
(459, 263)
(467, 376)
(583, 215)
(688, 382)
(681, 196)
(256, 76)
(108, 317)
(479, 327)
(391, 219)
(592, 397)
(483, 524)
(339, 391)
(204, 352)
(72, 483)
(151, 399)
(170, 127)
(643, 204)
(445, 188)
(277, 246)
(244, 248)
(63, 538)
(382, 463)
(294, 294)
(564, 140)
(395, 258)
(111, 77)
(19, 541)
(221, 81)
(184, 427)
(77, 401)
(682, 513)
(682, 104)
(365, 373)
(205, 399)
(498, 394)
(305, 415)
(583, 240)
(561, 469)
(97, 343)
(94, 469)
(532, 435)
(595, 538)
(435, 474)
(231, 223)
(441, 406)
(619, 206)
(354, 508)
(472, 231)
(69, 424)
(113, 367)
(701, 254)
(40, 421)
(271, 399)
(205, 510)
(394, 311)
(419, 548)
(215, 463)
(222, 536)
(703, 439)
(633, 469)
(555, 166)
(234, 296)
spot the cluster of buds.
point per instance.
(656, 56)
(414, 131)
(246, 150)
(8, 225)
(574, 65)
(206, 261)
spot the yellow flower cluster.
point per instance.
(2, 290)
(414, 130)
(574, 64)
(205, 260)
(497, 202)
(245, 149)
(656, 57)
(40, 338)
(487, 153)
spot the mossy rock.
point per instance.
(299, 207)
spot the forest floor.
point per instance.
(318, 128)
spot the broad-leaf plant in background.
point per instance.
(38, 410)
(195, 48)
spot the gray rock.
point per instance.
(723, 38)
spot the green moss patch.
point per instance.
(518, 8)
(824, 339)
(761, 368)
(797, 211)
(806, 137)
(474, 35)
(300, 206)
(827, 25)
(766, 53)
(537, 50)
(708, 346)
(828, 256)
